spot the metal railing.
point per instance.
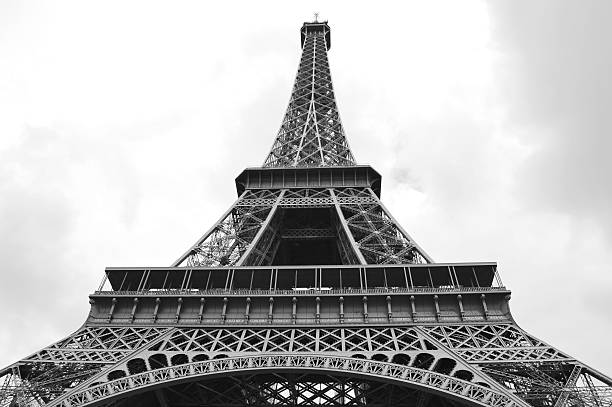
(298, 292)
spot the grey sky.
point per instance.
(488, 121)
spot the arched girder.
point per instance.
(415, 378)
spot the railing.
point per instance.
(297, 292)
(282, 280)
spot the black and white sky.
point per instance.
(123, 124)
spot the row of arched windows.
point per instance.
(159, 361)
(421, 361)
(424, 361)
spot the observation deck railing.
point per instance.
(319, 292)
(303, 280)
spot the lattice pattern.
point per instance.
(97, 344)
(294, 340)
(291, 390)
(63, 365)
(490, 343)
(307, 193)
(348, 254)
(551, 383)
(260, 197)
(278, 365)
(229, 239)
(232, 241)
(311, 133)
(303, 198)
(378, 237)
(348, 196)
(537, 372)
(35, 384)
(444, 384)
(264, 249)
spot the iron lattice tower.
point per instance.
(305, 292)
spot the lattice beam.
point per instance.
(427, 380)
(311, 133)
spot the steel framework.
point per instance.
(305, 292)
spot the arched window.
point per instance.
(136, 366)
(179, 359)
(379, 357)
(158, 361)
(423, 361)
(200, 357)
(464, 375)
(116, 374)
(444, 366)
(401, 359)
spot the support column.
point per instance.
(346, 229)
(208, 233)
(264, 226)
(399, 227)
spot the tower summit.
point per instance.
(305, 292)
(311, 133)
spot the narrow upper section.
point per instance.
(316, 27)
(311, 134)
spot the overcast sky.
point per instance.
(123, 125)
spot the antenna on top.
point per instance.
(316, 16)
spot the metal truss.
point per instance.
(493, 343)
(174, 346)
(39, 383)
(532, 369)
(97, 345)
(552, 384)
(311, 133)
(363, 335)
(285, 390)
(309, 340)
(227, 241)
(326, 392)
(487, 355)
(379, 237)
(248, 233)
(41, 377)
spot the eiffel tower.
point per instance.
(305, 292)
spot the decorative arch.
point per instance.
(423, 360)
(179, 359)
(379, 357)
(116, 374)
(464, 375)
(158, 361)
(428, 381)
(444, 366)
(401, 359)
(136, 365)
(200, 357)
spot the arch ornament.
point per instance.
(401, 375)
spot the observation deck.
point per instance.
(302, 295)
(356, 176)
(316, 27)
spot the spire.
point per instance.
(311, 134)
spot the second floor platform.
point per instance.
(303, 295)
